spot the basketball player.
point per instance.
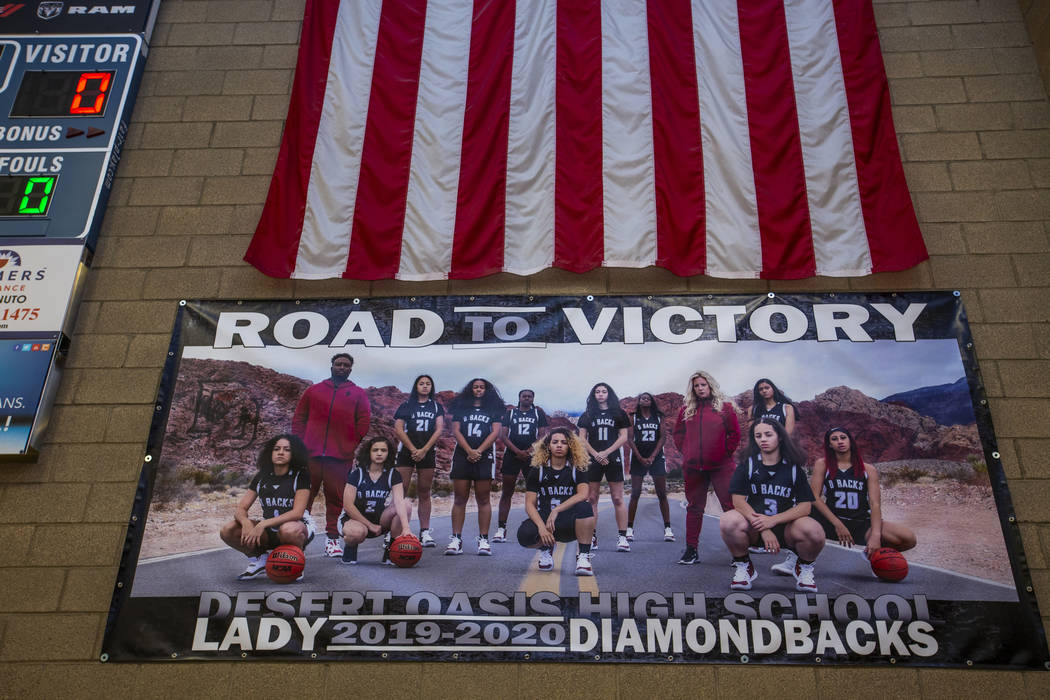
(522, 426)
(771, 501)
(374, 499)
(556, 500)
(767, 401)
(850, 510)
(418, 424)
(603, 428)
(477, 418)
(647, 457)
(282, 487)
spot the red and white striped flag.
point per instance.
(458, 138)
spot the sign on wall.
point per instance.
(896, 373)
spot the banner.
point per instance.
(891, 377)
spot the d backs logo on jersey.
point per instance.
(276, 501)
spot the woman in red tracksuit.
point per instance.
(707, 433)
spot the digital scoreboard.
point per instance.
(65, 102)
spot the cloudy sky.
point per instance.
(562, 374)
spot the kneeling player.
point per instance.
(369, 487)
(771, 501)
(851, 508)
(556, 500)
(283, 489)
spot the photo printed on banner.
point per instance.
(701, 478)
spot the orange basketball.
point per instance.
(889, 564)
(405, 551)
(285, 564)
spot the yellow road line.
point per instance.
(536, 580)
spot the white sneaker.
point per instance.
(786, 567)
(594, 541)
(583, 565)
(756, 550)
(804, 580)
(630, 534)
(622, 545)
(484, 548)
(668, 535)
(546, 559)
(426, 539)
(455, 545)
(311, 526)
(500, 536)
(743, 574)
(256, 566)
(333, 547)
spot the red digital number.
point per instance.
(96, 94)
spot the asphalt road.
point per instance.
(650, 566)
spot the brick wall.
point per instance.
(972, 116)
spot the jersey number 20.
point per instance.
(846, 500)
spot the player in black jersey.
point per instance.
(850, 506)
(522, 426)
(374, 499)
(477, 417)
(604, 428)
(418, 424)
(772, 501)
(647, 457)
(767, 401)
(282, 487)
(556, 500)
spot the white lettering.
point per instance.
(245, 325)
(359, 325)
(660, 324)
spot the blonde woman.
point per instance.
(556, 500)
(707, 433)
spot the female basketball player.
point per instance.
(771, 501)
(603, 428)
(477, 417)
(522, 426)
(706, 433)
(850, 511)
(647, 457)
(282, 487)
(374, 499)
(770, 402)
(418, 423)
(556, 500)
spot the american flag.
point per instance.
(459, 138)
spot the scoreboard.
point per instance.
(69, 74)
(65, 101)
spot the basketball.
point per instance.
(285, 563)
(889, 564)
(405, 551)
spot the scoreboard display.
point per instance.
(65, 102)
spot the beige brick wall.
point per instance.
(973, 119)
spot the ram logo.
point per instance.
(49, 10)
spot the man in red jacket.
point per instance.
(331, 418)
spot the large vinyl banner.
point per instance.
(749, 453)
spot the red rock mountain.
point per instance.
(221, 412)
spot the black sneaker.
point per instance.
(349, 555)
(689, 556)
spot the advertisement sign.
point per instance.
(37, 283)
(52, 17)
(24, 368)
(888, 379)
